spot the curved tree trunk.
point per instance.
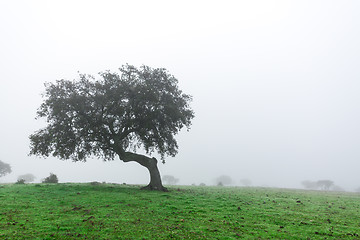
(150, 164)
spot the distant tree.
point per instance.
(223, 180)
(325, 184)
(202, 184)
(4, 169)
(27, 177)
(321, 184)
(310, 184)
(51, 179)
(245, 182)
(114, 116)
(168, 179)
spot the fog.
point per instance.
(275, 84)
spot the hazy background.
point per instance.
(275, 83)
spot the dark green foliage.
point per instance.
(51, 179)
(4, 169)
(119, 112)
(20, 181)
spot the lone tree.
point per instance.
(26, 177)
(223, 180)
(169, 179)
(4, 169)
(325, 184)
(137, 108)
(52, 178)
(321, 184)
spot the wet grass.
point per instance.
(109, 211)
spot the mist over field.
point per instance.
(275, 84)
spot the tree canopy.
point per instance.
(26, 177)
(113, 116)
(321, 184)
(4, 169)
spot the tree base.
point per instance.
(152, 188)
(151, 164)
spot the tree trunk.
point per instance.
(150, 164)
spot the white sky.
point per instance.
(275, 83)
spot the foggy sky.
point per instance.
(275, 83)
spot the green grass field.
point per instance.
(109, 211)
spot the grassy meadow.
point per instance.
(110, 211)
